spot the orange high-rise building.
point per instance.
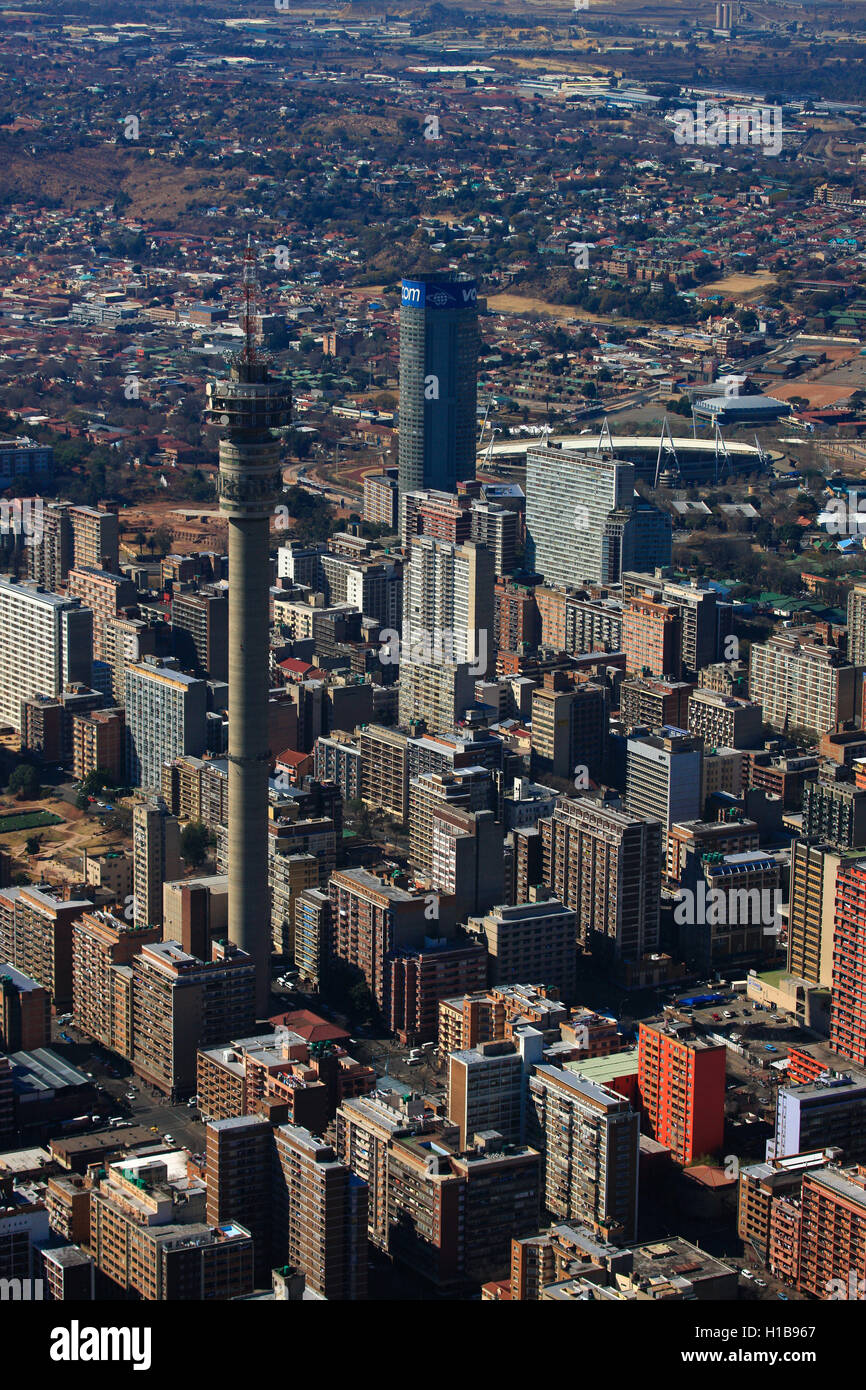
(681, 1085)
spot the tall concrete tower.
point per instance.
(246, 407)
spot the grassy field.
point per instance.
(27, 820)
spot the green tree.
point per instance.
(194, 840)
(24, 782)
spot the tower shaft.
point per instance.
(248, 903)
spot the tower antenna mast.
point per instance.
(250, 290)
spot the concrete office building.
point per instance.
(166, 716)
(246, 407)
(828, 1111)
(438, 372)
(664, 779)
(47, 645)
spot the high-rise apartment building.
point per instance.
(857, 623)
(321, 1216)
(486, 1087)
(95, 538)
(835, 812)
(812, 908)
(312, 934)
(240, 1165)
(569, 728)
(181, 1003)
(49, 561)
(338, 759)
(200, 632)
(589, 1137)
(47, 645)
(530, 941)
(578, 620)
(471, 789)
(385, 769)
(453, 1215)
(681, 1084)
(36, 937)
(166, 716)
(106, 595)
(723, 721)
(291, 876)
(651, 637)
(447, 635)
(703, 621)
(103, 948)
(801, 684)
(25, 1011)
(847, 992)
(832, 1234)
(148, 1235)
(99, 743)
(438, 368)
(605, 865)
(155, 859)
(380, 498)
(467, 858)
(654, 703)
(569, 501)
